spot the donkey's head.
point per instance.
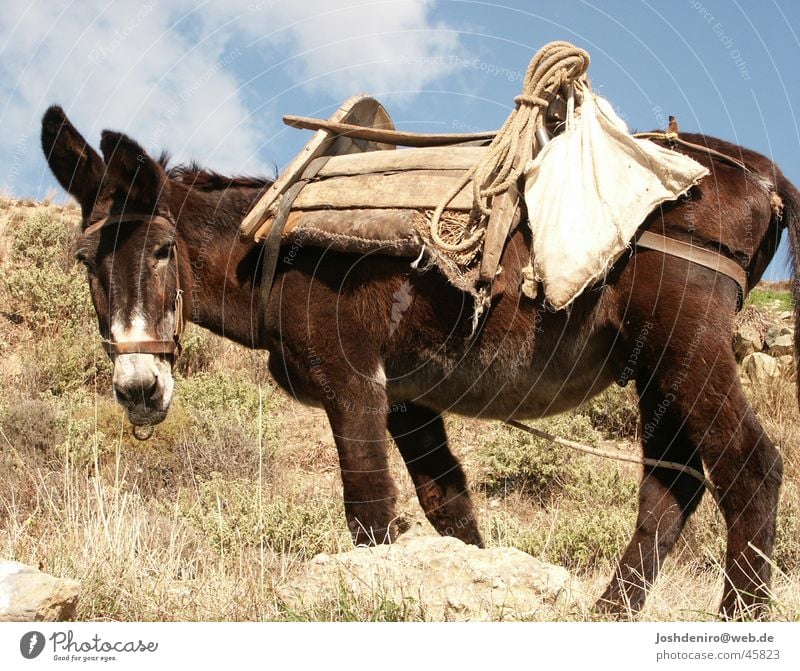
(130, 250)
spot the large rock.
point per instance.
(746, 340)
(760, 368)
(441, 578)
(782, 345)
(775, 332)
(28, 595)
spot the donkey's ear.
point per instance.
(77, 167)
(143, 179)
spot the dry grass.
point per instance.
(208, 519)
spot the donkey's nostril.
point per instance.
(136, 391)
(122, 393)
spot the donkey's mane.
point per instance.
(194, 176)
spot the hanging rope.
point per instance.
(658, 463)
(555, 64)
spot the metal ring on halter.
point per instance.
(143, 432)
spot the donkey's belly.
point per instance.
(507, 384)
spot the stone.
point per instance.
(774, 332)
(760, 368)
(28, 595)
(782, 345)
(746, 340)
(441, 577)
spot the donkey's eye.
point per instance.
(85, 262)
(163, 252)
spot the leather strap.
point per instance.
(141, 347)
(677, 139)
(270, 253)
(116, 219)
(702, 257)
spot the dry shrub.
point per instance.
(236, 514)
(614, 412)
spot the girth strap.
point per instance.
(702, 257)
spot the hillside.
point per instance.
(240, 486)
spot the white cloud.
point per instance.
(166, 73)
(120, 66)
(352, 45)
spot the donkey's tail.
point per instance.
(791, 220)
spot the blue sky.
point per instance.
(211, 80)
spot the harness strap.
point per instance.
(677, 139)
(698, 255)
(141, 347)
(270, 254)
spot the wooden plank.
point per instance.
(388, 136)
(357, 108)
(369, 112)
(414, 189)
(433, 158)
(504, 211)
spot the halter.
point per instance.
(170, 347)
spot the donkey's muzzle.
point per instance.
(140, 389)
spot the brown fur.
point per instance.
(378, 344)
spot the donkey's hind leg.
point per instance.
(437, 475)
(666, 500)
(747, 470)
(692, 401)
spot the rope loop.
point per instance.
(555, 65)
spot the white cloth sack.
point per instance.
(589, 190)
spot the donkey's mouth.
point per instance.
(146, 416)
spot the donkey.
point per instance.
(338, 340)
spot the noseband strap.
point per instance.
(167, 347)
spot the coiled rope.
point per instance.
(555, 64)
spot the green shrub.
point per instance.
(200, 351)
(70, 360)
(211, 396)
(501, 528)
(514, 460)
(578, 538)
(771, 299)
(585, 538)
(43, 284)
(221, 392)
(598, 483)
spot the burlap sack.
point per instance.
(588, 191)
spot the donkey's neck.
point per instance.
(223, 294)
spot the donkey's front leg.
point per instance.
(358, 421)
